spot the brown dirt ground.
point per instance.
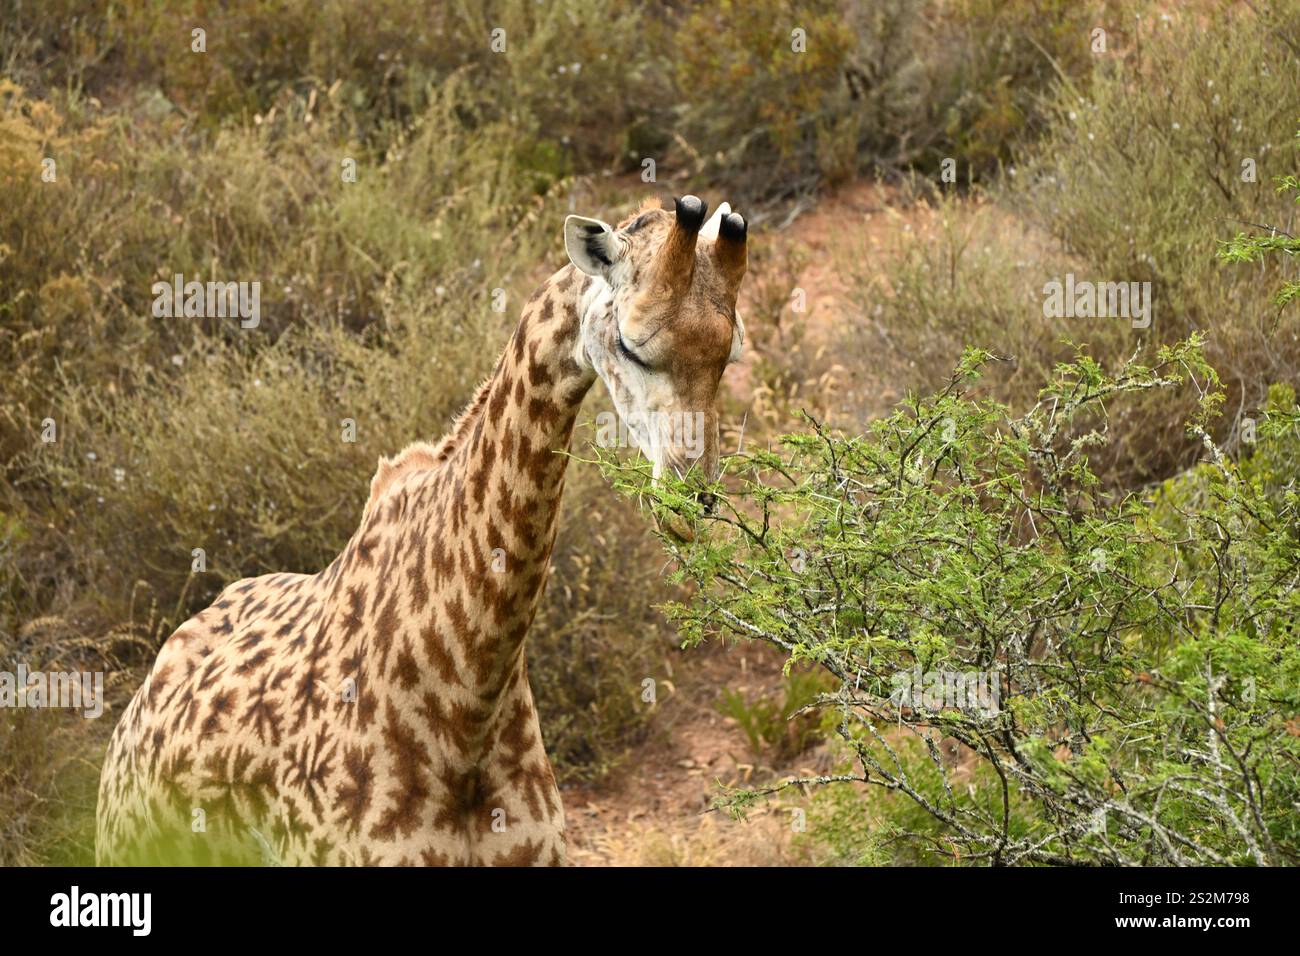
(656, 810)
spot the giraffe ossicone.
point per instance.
(379, 712)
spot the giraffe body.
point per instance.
(379, 712)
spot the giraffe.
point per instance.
(379, 712)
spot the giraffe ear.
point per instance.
(591, 245)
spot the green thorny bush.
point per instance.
(1135, 653)
(1277, 244)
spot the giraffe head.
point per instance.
(659, 324)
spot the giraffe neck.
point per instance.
(456, 551)
(507, 475)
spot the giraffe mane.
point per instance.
(422, 455)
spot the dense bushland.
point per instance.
(175, 434)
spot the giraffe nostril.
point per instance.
(708, 500)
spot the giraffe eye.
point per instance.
(631, 356)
